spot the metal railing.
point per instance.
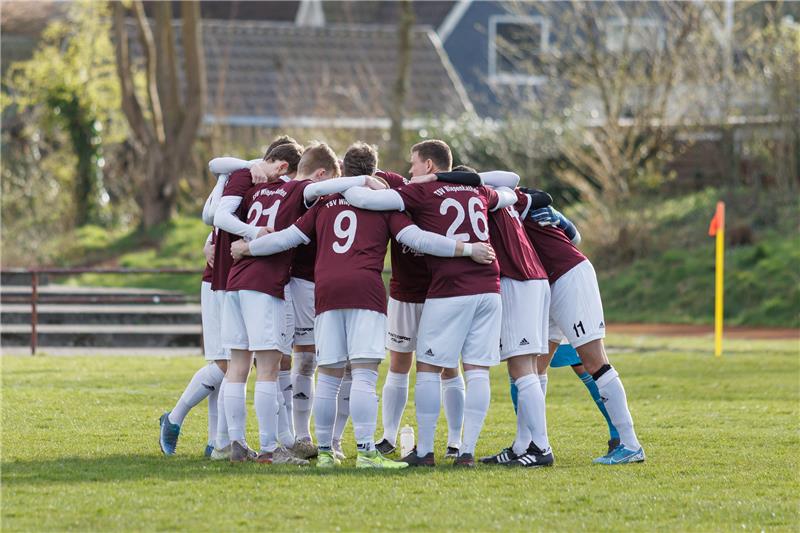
(34, 298)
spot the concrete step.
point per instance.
(103, 335)
(106, 314)
(12, 277)
(92, 295)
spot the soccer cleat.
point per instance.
(505, 456)
(336, 448)
(533, 458)
(326, 459)
(415, 460)
(621, 455)
(241, 453)
(304, 448)
(168, 436)
(284, 456)
(451, 453)
(209, 449)
(612, 444)
(385, 447)
(264, 458)
(374, 459)
(465, 460)
(220, 454)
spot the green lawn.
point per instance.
(79, 451)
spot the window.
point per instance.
(516, 44)
(642, 34)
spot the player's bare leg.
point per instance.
(453, 390)
(304, 365)
(235, 402)
(594, 358)
(394, 398)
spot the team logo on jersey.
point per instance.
(429, 352)
(524, 342)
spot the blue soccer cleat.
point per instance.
(209, 449)
(621, 455)
(168, 439)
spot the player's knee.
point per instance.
(400, 363)
(222, 364)
(450, 373)
(286, 362)
(304, 363)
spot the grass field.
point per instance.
(79, 452)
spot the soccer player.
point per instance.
(351, 304)
(576, 312)
(462, 311)
(254, 312)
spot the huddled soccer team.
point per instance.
(482, 272)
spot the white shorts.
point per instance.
(526, 310)
(402, 319)
(253, 320)
(303, 303)
(466, 326)
(348, 334)
(211, 315)
(576, 310)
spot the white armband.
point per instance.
(467, 251)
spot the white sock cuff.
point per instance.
(476, 375)
(453, 383)
(397, 379)
(542, 378)
(365, 374)
(607, 378)
(284, 374)
(328, 386)
(267, 387)
(529, 380)
(429, 377)
(235, 390)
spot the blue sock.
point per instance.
(587, 380)
(515, 393)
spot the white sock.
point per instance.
(266, 400)
(285, 388)
(364, 407)
(530, 402)
(285, 430)
(476, 404)
(303, 366)
(613, 396)
(428, 399)
(395, 397)
(543, 384)
(204, 382)
(236, 410)
(222, 439)
(342, 407)
(325, 409)
(213, 399)
(453, 399)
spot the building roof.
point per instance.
(269, 74)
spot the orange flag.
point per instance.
(718, 221)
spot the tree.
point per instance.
(396, 153)
(164, 125)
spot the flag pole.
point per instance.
(719, 282)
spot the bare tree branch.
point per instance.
(149, 48)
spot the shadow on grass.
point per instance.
(137, 467)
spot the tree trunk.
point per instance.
(396, 153)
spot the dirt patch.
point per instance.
(690, 330)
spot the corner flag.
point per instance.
(717, 228)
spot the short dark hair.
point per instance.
(464, 168)
(279, 140)
(318, 155)
(435, 150)
(361, 158)
(289, 152)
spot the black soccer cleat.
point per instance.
(533, 458)
(415, 460)
(465, 460)
(385, 447)
(451, 453)
(612, 444)
(505, 456)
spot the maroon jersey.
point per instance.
(238, 184)
(458, 212)
(278, 205)
(516, 256)
(208, 273)
(351, 247)
(303, 264)
(410, 274)
(555, 250)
